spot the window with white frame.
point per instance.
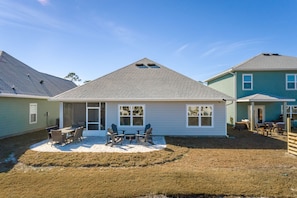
(247, 81)
(199, 115)
(33, 113)
(291, 81)
(131, 115)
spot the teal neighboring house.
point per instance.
(264, 87)
(24, 94)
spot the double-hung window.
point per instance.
(33, 113)
(131, 115)
(247, 81)
(291, 81)
(199, 115)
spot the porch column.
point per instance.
(285, 115)
(252, 126)
(61, 115)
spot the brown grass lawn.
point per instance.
(245, 165)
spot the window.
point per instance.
(291, 81)
(199, 115)
(291, 111)
(131, 115)
(33, 113)
(247, 81)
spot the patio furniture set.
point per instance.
(65, 135)
(268, 127)
(113, 136)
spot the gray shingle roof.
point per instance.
(264, 62)
(268, 62)
(18, 79)
(148, 82)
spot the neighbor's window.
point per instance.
(131, 115)
(291, 81)
(200, 115)
(247, 81)
(33, 113)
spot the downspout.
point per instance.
(234, 94)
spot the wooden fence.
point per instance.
(292, 143)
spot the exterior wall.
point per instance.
(14, 114)
(226, 85)
(170, 118)
(267, 82)
(273, 83)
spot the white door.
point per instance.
(259, 112)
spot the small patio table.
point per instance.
(130, 136)
(68, 131)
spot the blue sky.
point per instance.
(198, 38)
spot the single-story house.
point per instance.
(141, 93)
(24, 94)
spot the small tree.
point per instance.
(73, 77)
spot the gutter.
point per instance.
(138, 100)
(23, 96)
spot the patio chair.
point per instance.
(115, 129)
(147, 137)
(58, 137)
(112, 138)
(77, 136)
(268, 128)
(279, 128)
(145, 128)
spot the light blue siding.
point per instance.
(170, 118)
(14, 114)
(226, 85)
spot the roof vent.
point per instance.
(141, 65)
(275, 54)
(153, 65)
(266, 54)
(41, 82)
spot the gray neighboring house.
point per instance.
(141, 93)
(24, 94)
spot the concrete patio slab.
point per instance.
(97, 144)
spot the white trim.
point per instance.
(33, 109)
(295, 82)
(131, 115)
(243, 82)
(87, 116)
(6, 95)
(61, 115)
(199, 116)
(142, 99)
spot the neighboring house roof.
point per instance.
(263, 62)
(143, 80)
(19, 80)
(264, 98)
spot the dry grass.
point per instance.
(245, 165)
